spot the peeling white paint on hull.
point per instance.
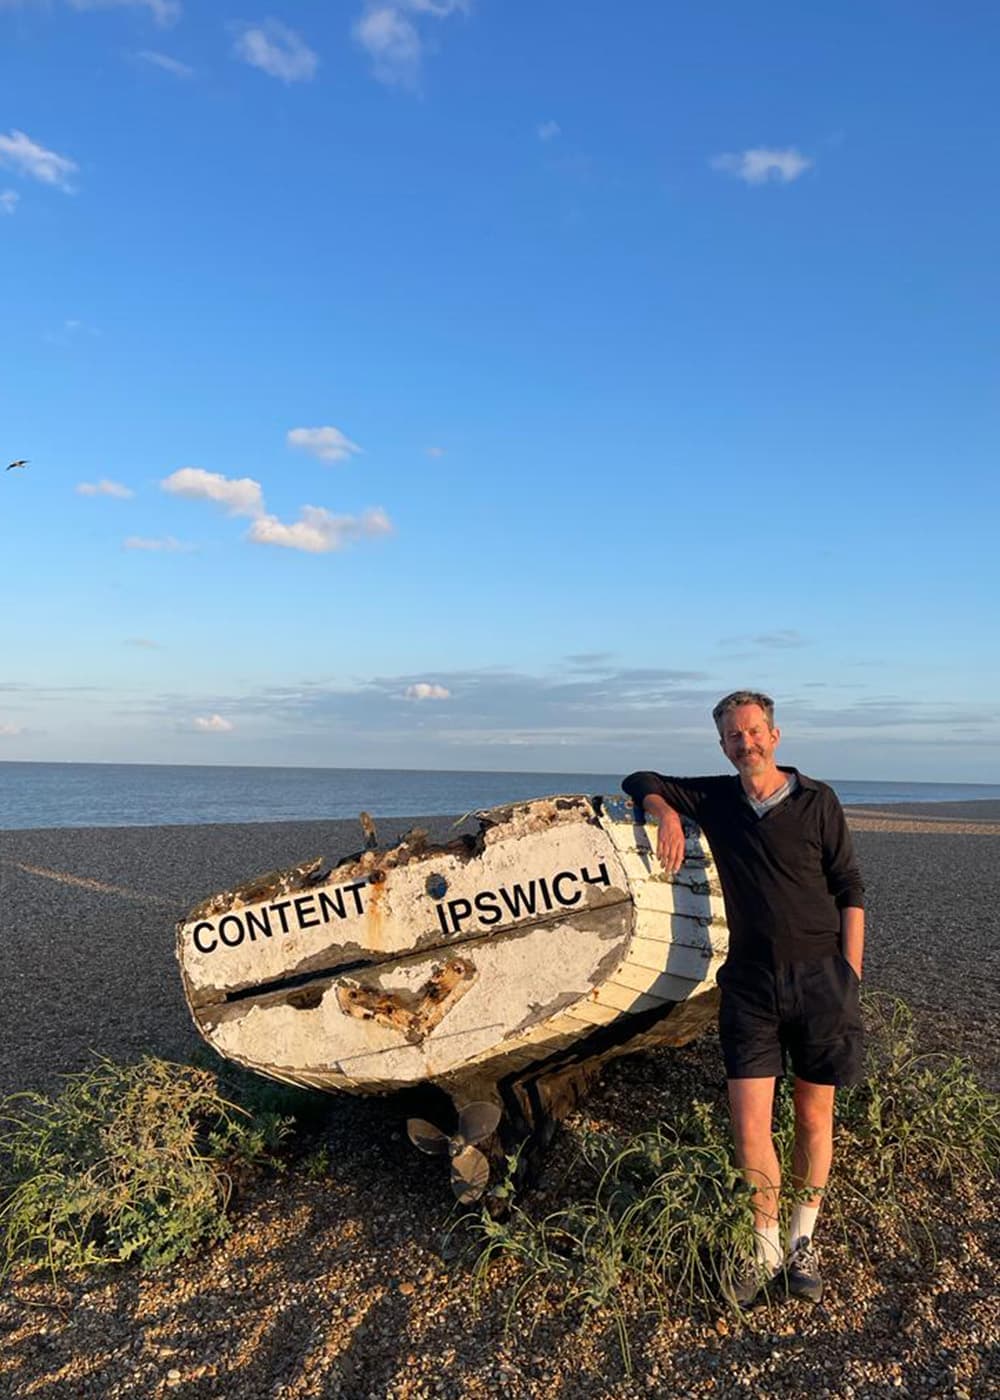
(555, 931)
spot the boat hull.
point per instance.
(552, 937)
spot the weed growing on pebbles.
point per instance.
(661, 1218)
(128, 1162)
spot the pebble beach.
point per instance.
(338, 1287)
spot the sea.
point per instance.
(34, 795)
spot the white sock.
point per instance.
(803, 1223)
(767, 1246)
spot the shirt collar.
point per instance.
(803, 780)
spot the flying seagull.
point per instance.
(21, 462)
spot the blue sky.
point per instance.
(418, 383)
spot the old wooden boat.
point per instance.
(500, 967)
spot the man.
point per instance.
(790, 984)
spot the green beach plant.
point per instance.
(665, 1213)
(915, 1111)
(661, 1218)
(127, 1162)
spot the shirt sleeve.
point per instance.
(843, 878)
(685, 795)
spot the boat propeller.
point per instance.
(470, 1168)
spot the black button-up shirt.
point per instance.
(785, 875)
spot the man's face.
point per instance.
(747, 741)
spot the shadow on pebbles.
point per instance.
(338, 1287)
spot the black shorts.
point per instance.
(804, 1012)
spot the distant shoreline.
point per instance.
(83, 796)
(973, 811)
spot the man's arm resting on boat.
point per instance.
(646, 791)
(650, 792)
(670, 842)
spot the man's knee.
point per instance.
(751, 1104)
(813, 1106)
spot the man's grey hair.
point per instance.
(743, 697)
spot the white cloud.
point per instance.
(319, 531)
(547, 131)
(163, 11)
(168, 64)
(8, 201)
(212, 724)
(104, 487)
(240, 496)
(762, 164)
(328, 444)
(143, 643)
(392, 40)
(29, 158)
(424, 690)
(277, 51)
(435, 451)
(167, 544)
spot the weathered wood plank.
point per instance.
(625, 998)
(693, 964)
(590, 1012)
(657, 927)
(679, 899)
(643, 867)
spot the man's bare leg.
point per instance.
(813, 1151)
(813, 1138)
(811, 1160)
(751, 1104)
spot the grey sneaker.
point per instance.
(802, 1270)
(749, 1282)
